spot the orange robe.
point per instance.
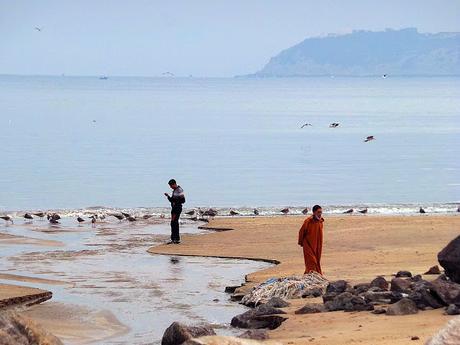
(311, 239)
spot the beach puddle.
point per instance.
(116, 290)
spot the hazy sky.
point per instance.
(202, 38)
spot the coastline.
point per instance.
(356, 248)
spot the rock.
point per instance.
(231, 289)
(178, 333)
(400, 285)
(447, 291)
(315, 292)
(433, 270)
(385, 297)
(255, 334)
(380, 282)
(277, 302)
(415, 338)
(360, 288)
(424, 296)
(449, 259)
(450, 334)
(329, 297)
(348, 302)
(452, 309)
(18, 330)
(404, 307)
(338, 287)
(262, 316)
(416, 278)
(379, 311)
(403, 274)
(311, 308)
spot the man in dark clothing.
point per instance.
(176, 199)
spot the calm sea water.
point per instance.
(71, 142)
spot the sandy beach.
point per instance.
(356, 248)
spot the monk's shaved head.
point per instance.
(316, 207)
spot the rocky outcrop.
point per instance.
(177, 333)
(449, 258)
(447, 291)
(18, 330)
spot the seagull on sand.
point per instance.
(349, 211)
(234, 213)
(7, 218)
(53, 221)
(190, 213)
(285, 210)
(80, 219)
(306, 125)
(256, 211)
(421, 210)
(363, 211)
(127, 215)
(28, 216)
(120, 217)
(369, 138)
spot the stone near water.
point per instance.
(403, 307)
(452, 309)
(255, 334)
(403, 274)
(449, 259)
(400, 285)
(277, 302)
(231, 289)
(262, 316)
(178, 333)
(433, 270)
(311, 308)
(18, 330)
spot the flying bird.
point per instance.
(306, 125)
(7, 218)
(369, 138)
(38, 29)
(334, 125)
(305, 210)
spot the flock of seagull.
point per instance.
(335, 125)
(194, 215)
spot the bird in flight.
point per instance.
(369, 138)
(38, 29)
(334, 125)
(306, 124)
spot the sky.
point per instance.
(203, 38)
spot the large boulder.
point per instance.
(424, 295)
(18, 330)
(178, 333)
(277, 302)
(404, 307)
(449, 258)
(262, 316)
(447, 291)
(348, 302)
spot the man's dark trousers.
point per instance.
(175, 214)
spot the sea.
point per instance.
(72, 143)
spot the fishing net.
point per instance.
(285, 288)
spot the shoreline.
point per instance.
(393, 247)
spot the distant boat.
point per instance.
(103, 77)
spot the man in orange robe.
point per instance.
(311, 239)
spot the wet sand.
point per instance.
(356, 248)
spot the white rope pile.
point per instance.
(285, 288)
